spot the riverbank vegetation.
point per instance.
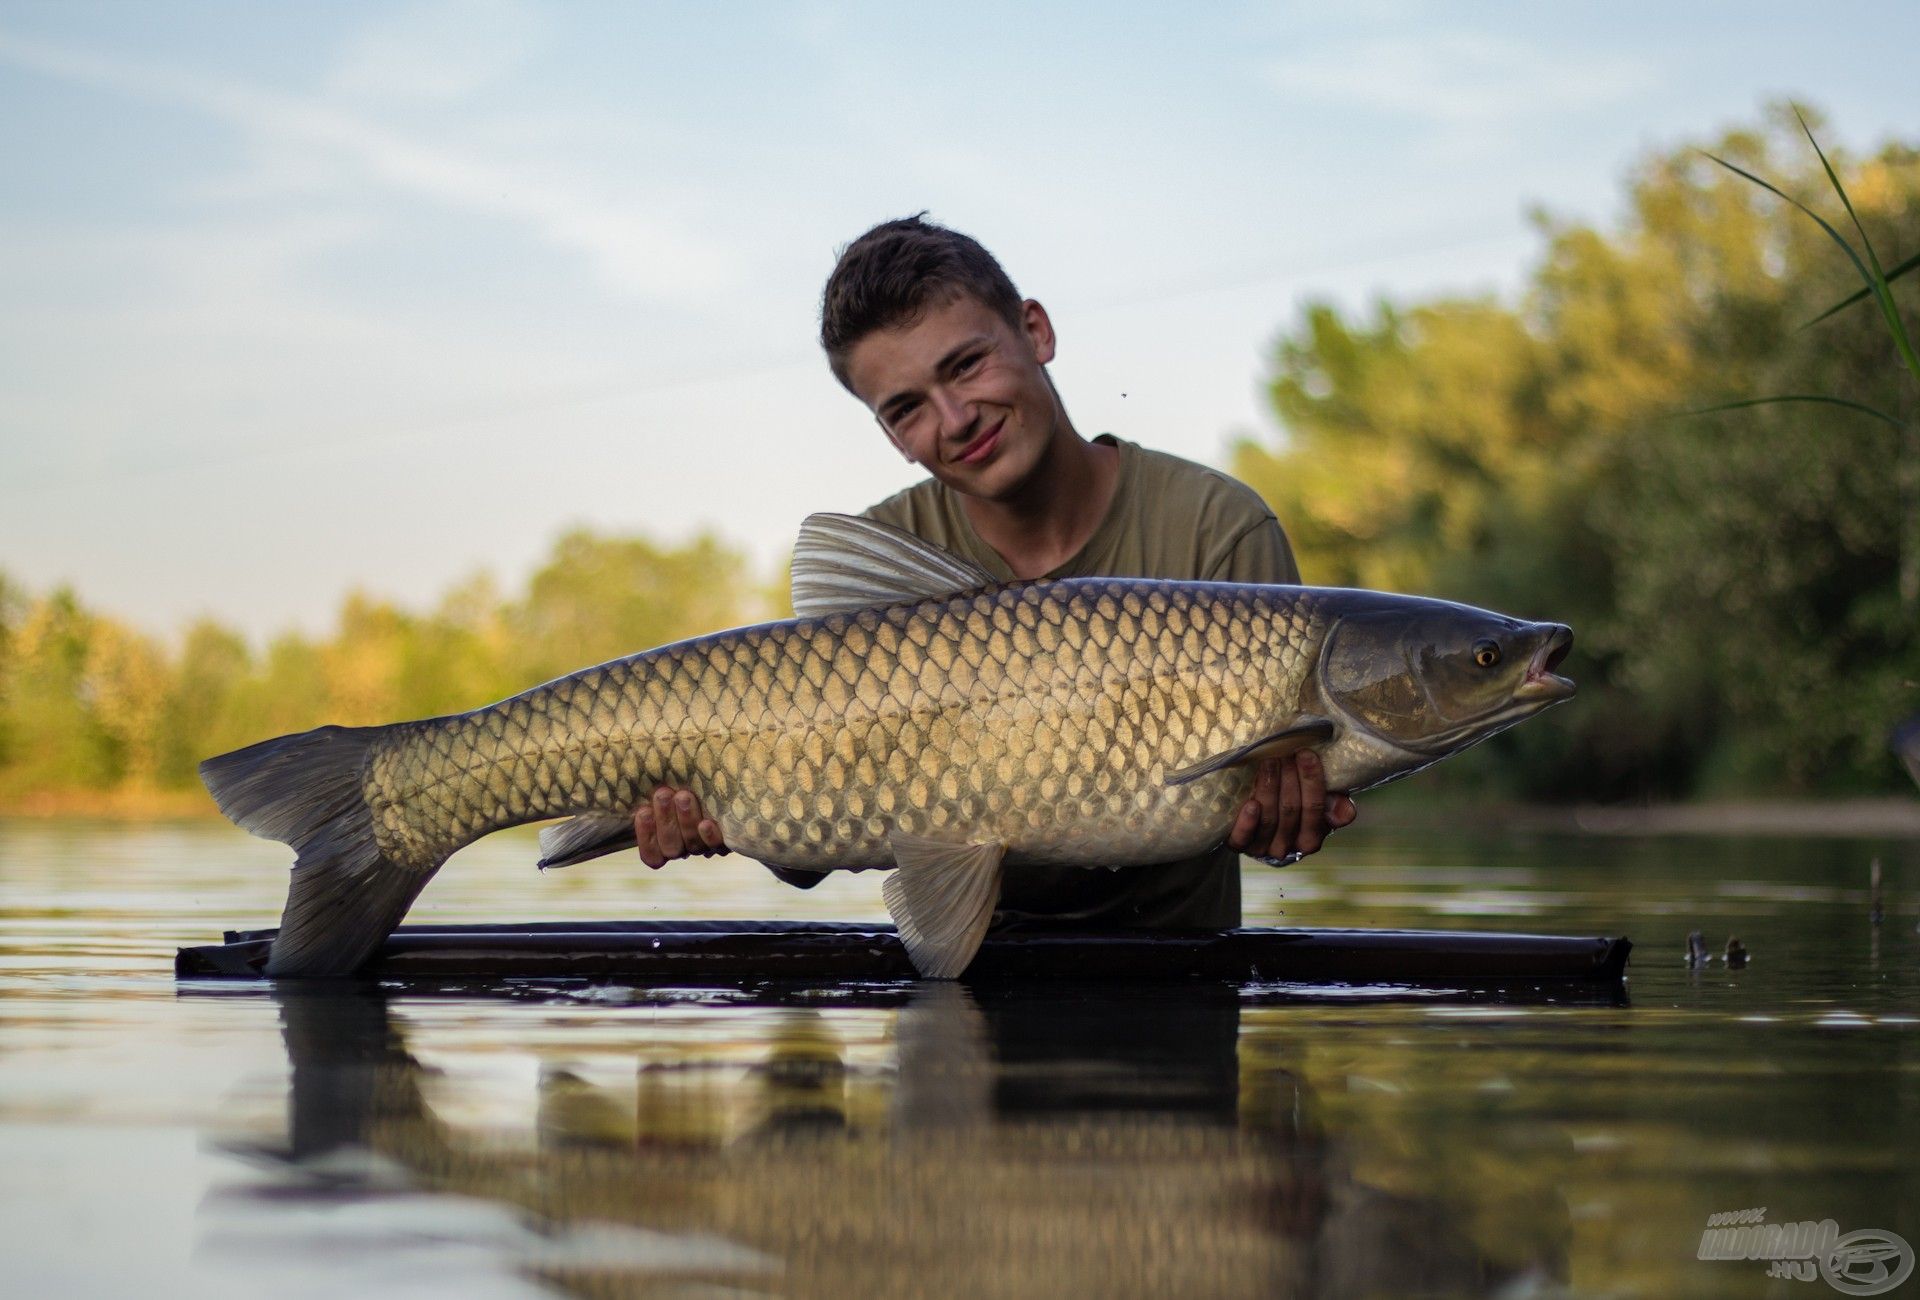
(98, 717)
(1745, 584)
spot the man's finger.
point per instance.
(1313, 804)
(711, 837)
(687, 812)
(643, 834)
(1288, 825)
(1340, 811)
(667, 825)
(1241, 836)
(1266, 794)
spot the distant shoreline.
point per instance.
(1894, 816)
(114, 805)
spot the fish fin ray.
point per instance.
(584, 838)
(942, 897)
(843, 563)
(1304, 732)
(307, 790)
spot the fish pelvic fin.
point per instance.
(798, 877)
(307, 791)
(843, 563)
(1304, 732)
(941, 896)
(584, 838)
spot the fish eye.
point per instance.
(1486, 653)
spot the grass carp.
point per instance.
(917, 715)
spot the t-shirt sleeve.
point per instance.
(1260, 553)
(896, 510)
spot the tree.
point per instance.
(1734, 579)
(55, 741)
(598, 598)
(88, 704)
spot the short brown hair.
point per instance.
(890, 276)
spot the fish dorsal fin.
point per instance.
(842, 563)
(1304, 732)
(942, 896)
(583, 838)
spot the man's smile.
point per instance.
(983, 446)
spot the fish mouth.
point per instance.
(1541, 682)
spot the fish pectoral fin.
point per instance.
(842, 562)
(942, 896)
(583, 838)
(795, 876)
(1304, 732)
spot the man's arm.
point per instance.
(1261, 553)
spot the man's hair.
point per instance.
(894, 273)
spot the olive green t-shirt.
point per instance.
(1170, 518)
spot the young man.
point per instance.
(924, 327)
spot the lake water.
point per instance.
(210, 1139)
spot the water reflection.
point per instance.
(369, 1185)
(1111, 1140)
(532, 1139)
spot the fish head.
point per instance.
(1413, 681)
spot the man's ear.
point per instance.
(1039, 330)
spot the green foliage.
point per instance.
(13, 610)
(56, 738)
(599, 598)
(1745, 586)
(88, 704)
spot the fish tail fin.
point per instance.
(307, 791)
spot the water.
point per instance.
(1123, 1140)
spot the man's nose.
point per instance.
(954, 414)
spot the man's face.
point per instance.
(963, 393)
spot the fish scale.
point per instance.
(1046, 715)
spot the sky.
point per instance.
(302, 299)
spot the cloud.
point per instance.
(438, 50)
(1457, 80)
(632, 249)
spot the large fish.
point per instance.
(917, 715)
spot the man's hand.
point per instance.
(1290, 812)
(672, 826)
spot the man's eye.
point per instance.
(967, 363)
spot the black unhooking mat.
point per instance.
(695, 952)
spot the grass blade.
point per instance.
(1865, 275)
(1881, 293)
(1841, 190)
(1859, 294)
(1817, 398)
